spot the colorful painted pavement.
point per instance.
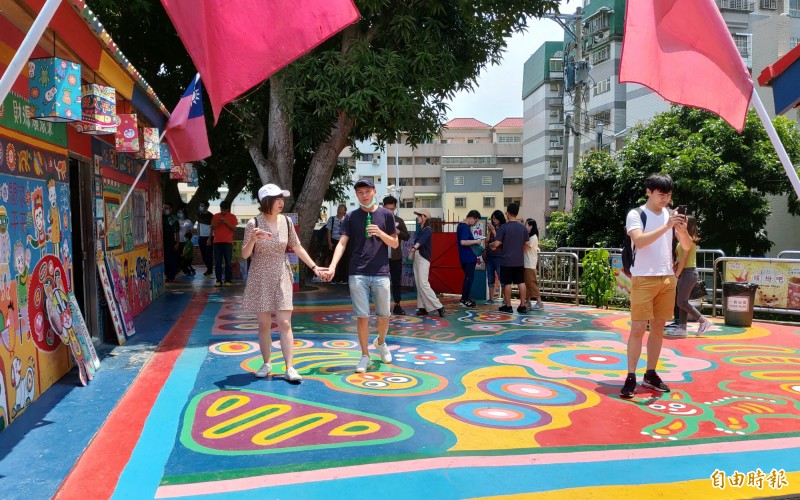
(477, 404)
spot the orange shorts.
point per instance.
(652, 297)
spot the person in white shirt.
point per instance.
(653, 278)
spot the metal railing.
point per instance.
(793, 254)
(721, 273)
(558, 275)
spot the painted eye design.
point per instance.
(677, 406)
(658, 407)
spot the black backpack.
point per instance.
(628, 251)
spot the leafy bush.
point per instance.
(548, 245)
(597, 278)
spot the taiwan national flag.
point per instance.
(186, 129)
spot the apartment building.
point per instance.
(763, 31)
(473, 165)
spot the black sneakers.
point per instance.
(467, 303)
(441, 312)
(506, 309)
(422, 312)
(398, 310)
(653, 381)
(522, 309)
(629, 388)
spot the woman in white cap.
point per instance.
(269, 282)
(421, 251)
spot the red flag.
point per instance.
(186, 129)
(239, 43)
(682, 50)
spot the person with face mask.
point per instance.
(169, 235)
(371, 231)
(204, 240)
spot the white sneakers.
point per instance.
(383, 350)
(676, 332)
(264, 370)
(363, 364)
(292, 375)
(703, 328)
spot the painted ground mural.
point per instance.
(477, 403)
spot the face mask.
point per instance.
(180, 216)
(372, 204)
(201, 209)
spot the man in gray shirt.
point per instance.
(513, 238)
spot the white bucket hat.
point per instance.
(271, 190)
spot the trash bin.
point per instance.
(738, 299)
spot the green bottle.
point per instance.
(369, 222)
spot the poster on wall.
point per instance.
(778, 282)
(479, 232)
(116, 274)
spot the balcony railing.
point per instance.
(769, 4)
(740, 5)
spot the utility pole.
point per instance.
(562, 183)
(578, 68)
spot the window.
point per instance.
(598, 23)
(467, 160)
(429, 203)
(554, 87)
(244, 221)
(742, 44)
(458, 180)
(406, 181)
(512, 180)
(743, 5)
(407, 203)
(553, 194)
(470, 141)
(794, 42)
(508, 159)
(604, 117)
(556, 65)
(366, 157)
(601, 55)
(556, 141)
(486, 180)
(427, 181)
(769, 4)
(509, 138)
(602, 86)
(509, 201)
(488, 202)
(461, 202)
(794, 8)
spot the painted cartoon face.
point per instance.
(676, 409)
(31, 70)
(382, 381)
(38, 217)
(50, 95)
(65, 250)
(51, 195)
(66, 97)
(3, 222)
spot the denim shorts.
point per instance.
(361, 287)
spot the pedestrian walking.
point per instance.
(465, 241)
(531, 261)
(223, 225)
(426, 297)
(371, 231)
(169, 235)
(396, 256)
(204, 241)
(268, 290)
(652, 277)
(514, 240)
(686, 272)
(493, 258)
(187, 255)
(334, 230)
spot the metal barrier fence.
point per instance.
(721, 274)
(558, 275)
(793, 254)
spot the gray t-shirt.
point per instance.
(513, 235)
(370, 255)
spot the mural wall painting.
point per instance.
(34, 237)
(113, 307)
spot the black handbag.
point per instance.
(698, 291)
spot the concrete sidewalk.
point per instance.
(478, 404)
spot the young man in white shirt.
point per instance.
(653, 278)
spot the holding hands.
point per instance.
(324, 273)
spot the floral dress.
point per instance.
(270, 277)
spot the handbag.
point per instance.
(698, 291)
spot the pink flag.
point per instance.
(239, 43)
(683, 50)
(186, 129)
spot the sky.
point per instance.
(498, 92)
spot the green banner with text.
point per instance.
(15, 114)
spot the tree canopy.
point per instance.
(723, 177)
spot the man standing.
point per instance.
(396, 255)
(653, 278)
(333, 228)
(513, 237)
(223, 224)
(467, 256)
(169, 235)
(204, 236)
(371, 231)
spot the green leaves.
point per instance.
(597, 278)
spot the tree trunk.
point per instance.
(280, 143)
(319, 176)
(234, 189)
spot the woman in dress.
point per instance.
(421, 252)
(531, 261)
(269, 282)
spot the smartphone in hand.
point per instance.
(682, 209)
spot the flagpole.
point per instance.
(26, 47)
(130, 191)
(776, 142)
